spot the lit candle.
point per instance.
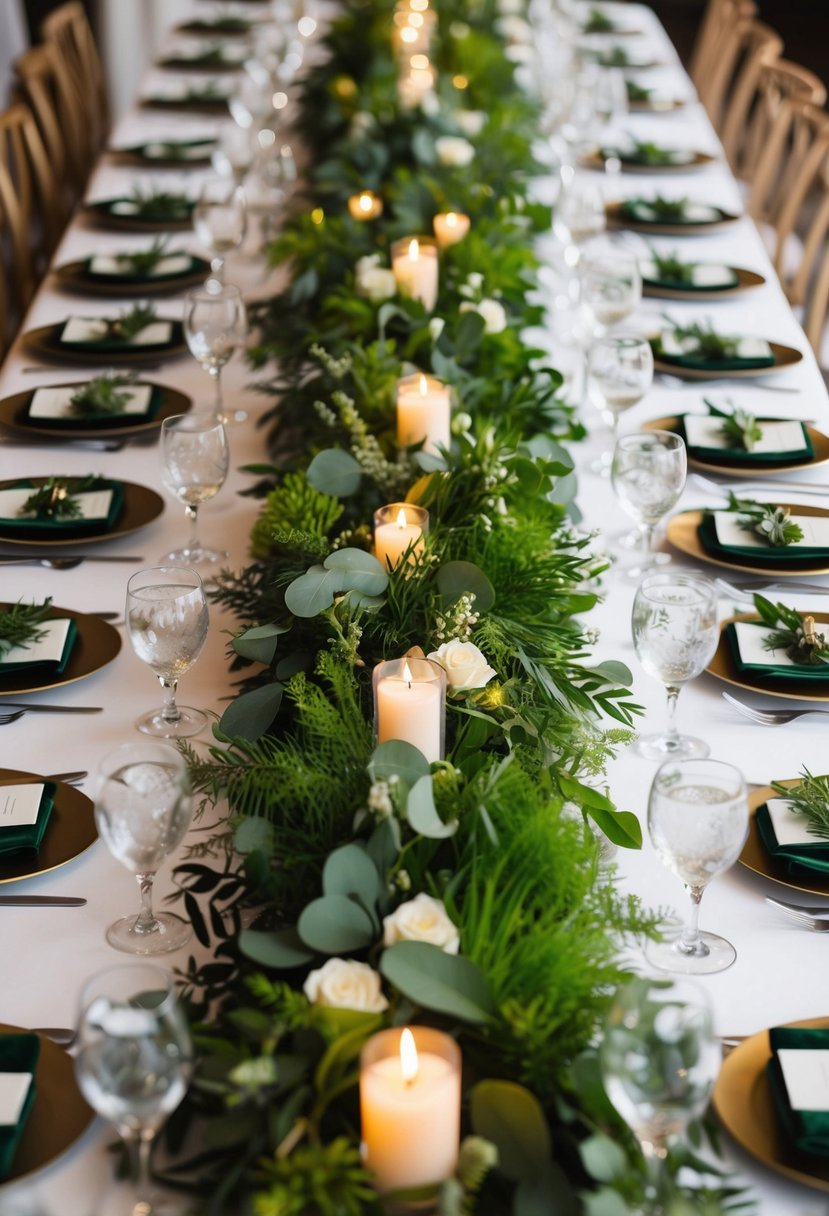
(410, 1107)
(410, 704)
(365, 206)
(397, 528)
(450, 227)
(423, 412)
(414, 261)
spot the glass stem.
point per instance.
(647, 531)
(170, 712)
(217, 265)
(689, 941)
(218, 401)
(146, 922)
(192, 513)
(657, 1191)
(671, 732)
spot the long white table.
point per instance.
(45, 955)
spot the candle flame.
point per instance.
(423, 384)
(408, 34)
(414, 249)
(407, 676)
(408, 1056)
(365, 202)
(402, 522)
(420, 63)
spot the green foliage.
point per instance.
(20, 625)
(810, 798)
(295, 508)
(101, 396)
(57, 498)
(324, 1179)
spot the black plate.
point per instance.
(77, 277)
(45, 343)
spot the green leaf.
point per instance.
(550, 1194)
(254, 833)
(397, 758)
(446, 983)
(620, 827)
(350, 871)
(603, 1159)
(335, 924)
(281, 949)
(422, 812)
(464, 578)
(314, 591)
(469, 334)
(334, 472)
(259, 643)
(250, 715)
(614, 671)
(512, 1118)
(360, 571)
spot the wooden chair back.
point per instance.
(719, 19)
(69, 31)
(755, 110)
(43, 83)
(16, 199)
(23, 154)
(745, 49)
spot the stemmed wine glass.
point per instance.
(619, 373)
(134, 1061)
(698, 823)
(215, 324)
(143, 809)
(648, 476)
(234, 154)
(675, 634)
(659, 1060)
(579, 211)
(220, 220)
(611, 288)
(194, 463)
(167, 623)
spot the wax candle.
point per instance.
(450, 227)
(423, 412)
(414, 261)
(365, 206)
(397, 527)
(410, 1107)
(410, 704)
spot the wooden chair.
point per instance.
(756, 105)
(17, 194)
(43, 83)
(719, 19)
(24, 157)
(69, 31)
(745, 49)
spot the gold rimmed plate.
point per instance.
(101, 215)
(616, 218)
(71, 829)
(14, 413)
(755, 858)
(141, 507)
(138, 154)
(59, 1114)
(45, 343)
(683, 534)
(723, 667)
(698, 160)
(96, 645)
(79, 278)
(756, 470)
(743, 1103)
(746, 280)
(784, 357)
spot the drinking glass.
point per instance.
(143, 808)
(659, 1059)
(194, 462)
(611, 288)
(698, 823)
(611, 97)
(619, 373)
(220, 220)
(675, 634)
(134, 1061)
(648, 476)
(215, 323)
(234, 154)
(167, 622)
(579, 212)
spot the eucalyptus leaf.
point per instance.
(469, 334)
(314, 591)
(422, 812)
(445, 983)
(254, 832)
(250, 715)
(282, 948)
(350, 871)
(335, 924)
(614, 671)
(464, 578)
(360, 571)
(550, 1194)
(603, 1159)
(397, 758)
(512, 1118)
(335, 472)
(259, 643)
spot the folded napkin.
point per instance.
(745, 641)
(175, 149)
(90, 334)
(47, 657)
(720, 535)
(704, 276)
(25, 811)
(796, 1074)
(112, 269)
(129, 208)
(656, 159)
(18, 1060)
(684, 351)
(646, 212)
(100, 509)
(782, 440)
(785, 838)
(52, 407)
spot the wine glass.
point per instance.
(220, 220)
(659, 1059)
(234, 154)
(698, 823)
(675, 634)
(619, 373)
(648, 476)
(134, 1061)
(611, 95)
(579, 212)
(167, 623)
(194, 463)
(611, 288)
(215, 323)
(143, 808)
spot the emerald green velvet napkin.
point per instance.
(134, 278)
(732, 456)
(631, 209)
(64, 528)
(96, 421)
(18, 1053)
(798, 860)
(806, 1131)
(771, 555)
(687, 285)
(181, 214)
(817, 673)
(120, 346)
(28, 837)
(733, 364)
(45, 666)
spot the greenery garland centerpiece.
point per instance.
(352, 885)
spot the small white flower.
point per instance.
(464, 664)
(475, 280)
(454, 150)
(373, 281)
(493, 313)
(361, 124)
(430, 103)
(461, 423)
(436, 328)
(346, 984)
(515, 29)
(379, 800)
(422, 919)
(471, 122)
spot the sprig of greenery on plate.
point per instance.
(740, 426)
(810, 798)
(644, 152)
(705, 342)
(144, 261)
(103, 396)
(772, 523)
(598, 22)
(57, 498)
(160, 204)
(665, 209)
(130, 323)
(638, 92)
(793, 632)
(20, 625)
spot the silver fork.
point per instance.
(801, 916)
(797, 487)
(769, 717)
(671, 381)
(746, 590)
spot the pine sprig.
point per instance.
(809, 798)
(20, 625)
(144, 261)
(131, 323)
(793, 633)
(740, 425)
(58, 498)
(160, 204)
(670, 266)
(103, 396)
(705, 341)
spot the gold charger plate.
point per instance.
(722, 667)
(14, 414)
(746, 279)
(44, 343)
(617, 219)
(768, 468)
(141, 507)
(136, 155)
(96, 645)
(683, 535)
(78, 278)
(595, 160)
(754, 857)
(743, 1103)
(100, 215)
(59, 1113)
(71, 829)
(784, 357)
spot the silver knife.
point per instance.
(52, 709)
(36, 558)
(41, 901)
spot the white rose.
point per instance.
(374, 281)
(515, 29)
(454, 150)
(493, 313)
(430, 103)
(471, 122)
(421, 919)
(464, 664)
(436, 328)
(510, 6)
(345, 984)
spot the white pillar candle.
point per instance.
(410, 1107)
(450, 227)
(397, 527)
(410, 704)
(365, 206)
(414, 261)
(423, 412)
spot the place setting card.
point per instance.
(95, 332)
(19, 1054)
(54, 404)
(25, 811)
(113, 266)
(798, 1077)
(49, 653)
(779, 439)
(753, 654)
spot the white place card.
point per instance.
(48, 650)
(753, 348)
(806, 1077)
(57, 402)
(161, 151)
(14, 1089)
(703, 274)
(815, 532)
(692, 213)
(94, 504)
(790, 828)
(19, 805)
(705, 431)
(750, 639)
(94, 329)
(173, 263)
